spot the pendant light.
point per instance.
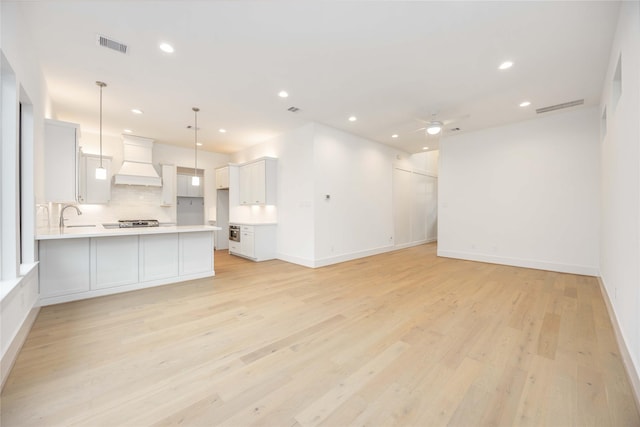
(195, 180)
(101, 172)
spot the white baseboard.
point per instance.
(305, 262)
(518, 262)
(351, 256)
(632, 373)
(10, 356)
(296, 260)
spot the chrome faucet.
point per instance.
(62, 213)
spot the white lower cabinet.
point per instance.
(114, 261)
(248, 243)
(78, 268)
(235, 247)
(64, 267)
(196, 253)
(158, 256)
(257, 242)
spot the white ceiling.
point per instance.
(386, 62)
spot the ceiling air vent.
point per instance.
(293, 109)
(112, 44)
(560, 106)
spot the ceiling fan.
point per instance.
(435, 127)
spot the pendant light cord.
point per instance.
(101, 84)
(195, 169)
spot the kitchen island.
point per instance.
(85, 262)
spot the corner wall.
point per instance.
(524, 194)
(620, 204)
(295, 209)
(314, 161)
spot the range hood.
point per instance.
(136, 168)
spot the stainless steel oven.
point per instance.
(234, 233)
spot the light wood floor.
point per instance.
(403, 338)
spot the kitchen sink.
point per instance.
(78, 226)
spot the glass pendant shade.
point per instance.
(195, 181)
(101, 173)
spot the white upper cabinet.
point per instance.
(222, 178)
(185, 189)
(169, 185)
(60, 161)
(92, 190)
(258, 182)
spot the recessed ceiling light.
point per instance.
(353, 118)
(166, 47)
(283, 94)
(222, 130)
(136, 111)
(395, 135)
(425, 148)
(199, 144)
(505, 65)
(128, 131)
(525, 104)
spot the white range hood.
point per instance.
(136, 168)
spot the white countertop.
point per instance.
(252, 223)
(100, 231)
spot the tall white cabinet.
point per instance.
(169, 185)
(60, 161)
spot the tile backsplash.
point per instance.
(127, 202)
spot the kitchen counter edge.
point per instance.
(99, 231)
(252, 223)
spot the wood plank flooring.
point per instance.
(400, 339)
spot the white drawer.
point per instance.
(235, 247)
(247, 228)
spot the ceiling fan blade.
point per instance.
(456, 119)
(418, 130)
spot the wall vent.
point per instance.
(560, 106)
(293, 109)
(112, 44)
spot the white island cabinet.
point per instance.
(159, 256)
(65, 265)
(82, 264)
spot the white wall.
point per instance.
(620, 206)
(357, 176)
(294, 214)
(525, 194)
(139, 202)
(316, 160)
(18, 295)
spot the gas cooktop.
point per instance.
(133, 223)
